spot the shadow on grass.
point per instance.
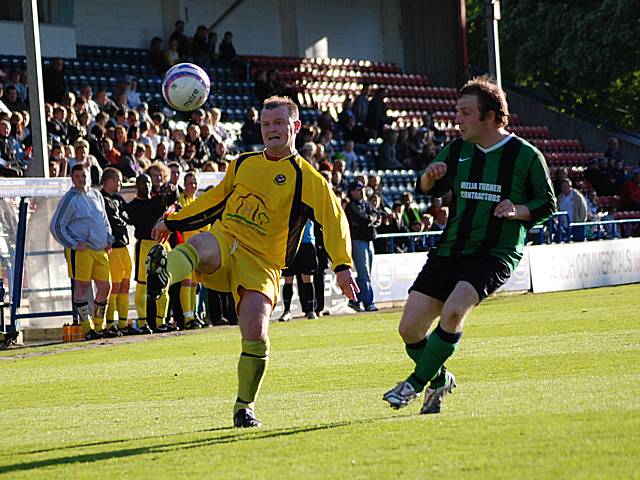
(240, 436)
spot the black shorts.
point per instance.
(440, 275)
(304, 262)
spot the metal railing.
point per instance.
(557, 229)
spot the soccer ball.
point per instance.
(185, 87)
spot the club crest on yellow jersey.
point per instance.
(280, 179)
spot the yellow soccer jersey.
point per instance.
(183, 200)
(265, 204)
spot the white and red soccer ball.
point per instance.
(185, 87)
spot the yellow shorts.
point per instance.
(120, 264)
(240, 268)
(87, 265)
(141, 251)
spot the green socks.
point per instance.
(440, 346)
(181, 261)
(414, 350)
(251, 367)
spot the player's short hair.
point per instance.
(110, 173)
(491, 98)
(276, 101)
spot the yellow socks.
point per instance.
(186, 302)
(181, 261)
(251, 368)
(122, 305)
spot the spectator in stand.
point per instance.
(411, 212)
(434, 133)
(3, 108)
(150, 135)
(405, 151)
(172, 54)
(111, 154)
(326, 137)
(161, 153)
(105, 104)
(119, 137)
(593, 174)
(388, 156)
(346, 113)
(128, 164)
(228, 55)
(377, 113)
(337, 182)
(212, 43)
(214, 146)
(357, 132)
(308, 152)
(363, 221)
(82, 155)
(12, 99)
(440, 220)
(156, 56)
(58, 128)
(177, 154)
(8, 158)
(217, 129)
(349, 155)
(325, 122)
(195, 138)
(250, 132)
(561, 175)
(435, 207)
(361, 105)
(613, 150)
(180, 39)
(190, 157)
(55, 85)
(86, 94)
(573, 202)
(630, 196)
(200, 51)
(14, 79)
(397, 225)
(133, 96)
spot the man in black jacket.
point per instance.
(363, 220)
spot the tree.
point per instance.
(585, 54)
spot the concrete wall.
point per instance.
(117, 23)
(56, 41)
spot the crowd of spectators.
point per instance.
(115, 128)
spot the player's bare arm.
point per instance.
(160, 232)
(506, 209)
(347, 284)
(434, 172)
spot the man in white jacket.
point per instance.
(80, 224)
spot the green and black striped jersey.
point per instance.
(480, 179)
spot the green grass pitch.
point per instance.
(548, 387)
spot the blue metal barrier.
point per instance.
(553, 231)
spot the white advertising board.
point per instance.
(393, 275)
(572, 266)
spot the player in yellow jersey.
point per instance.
(260, 209)
(188, 287)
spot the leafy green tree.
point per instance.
(585, 54)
